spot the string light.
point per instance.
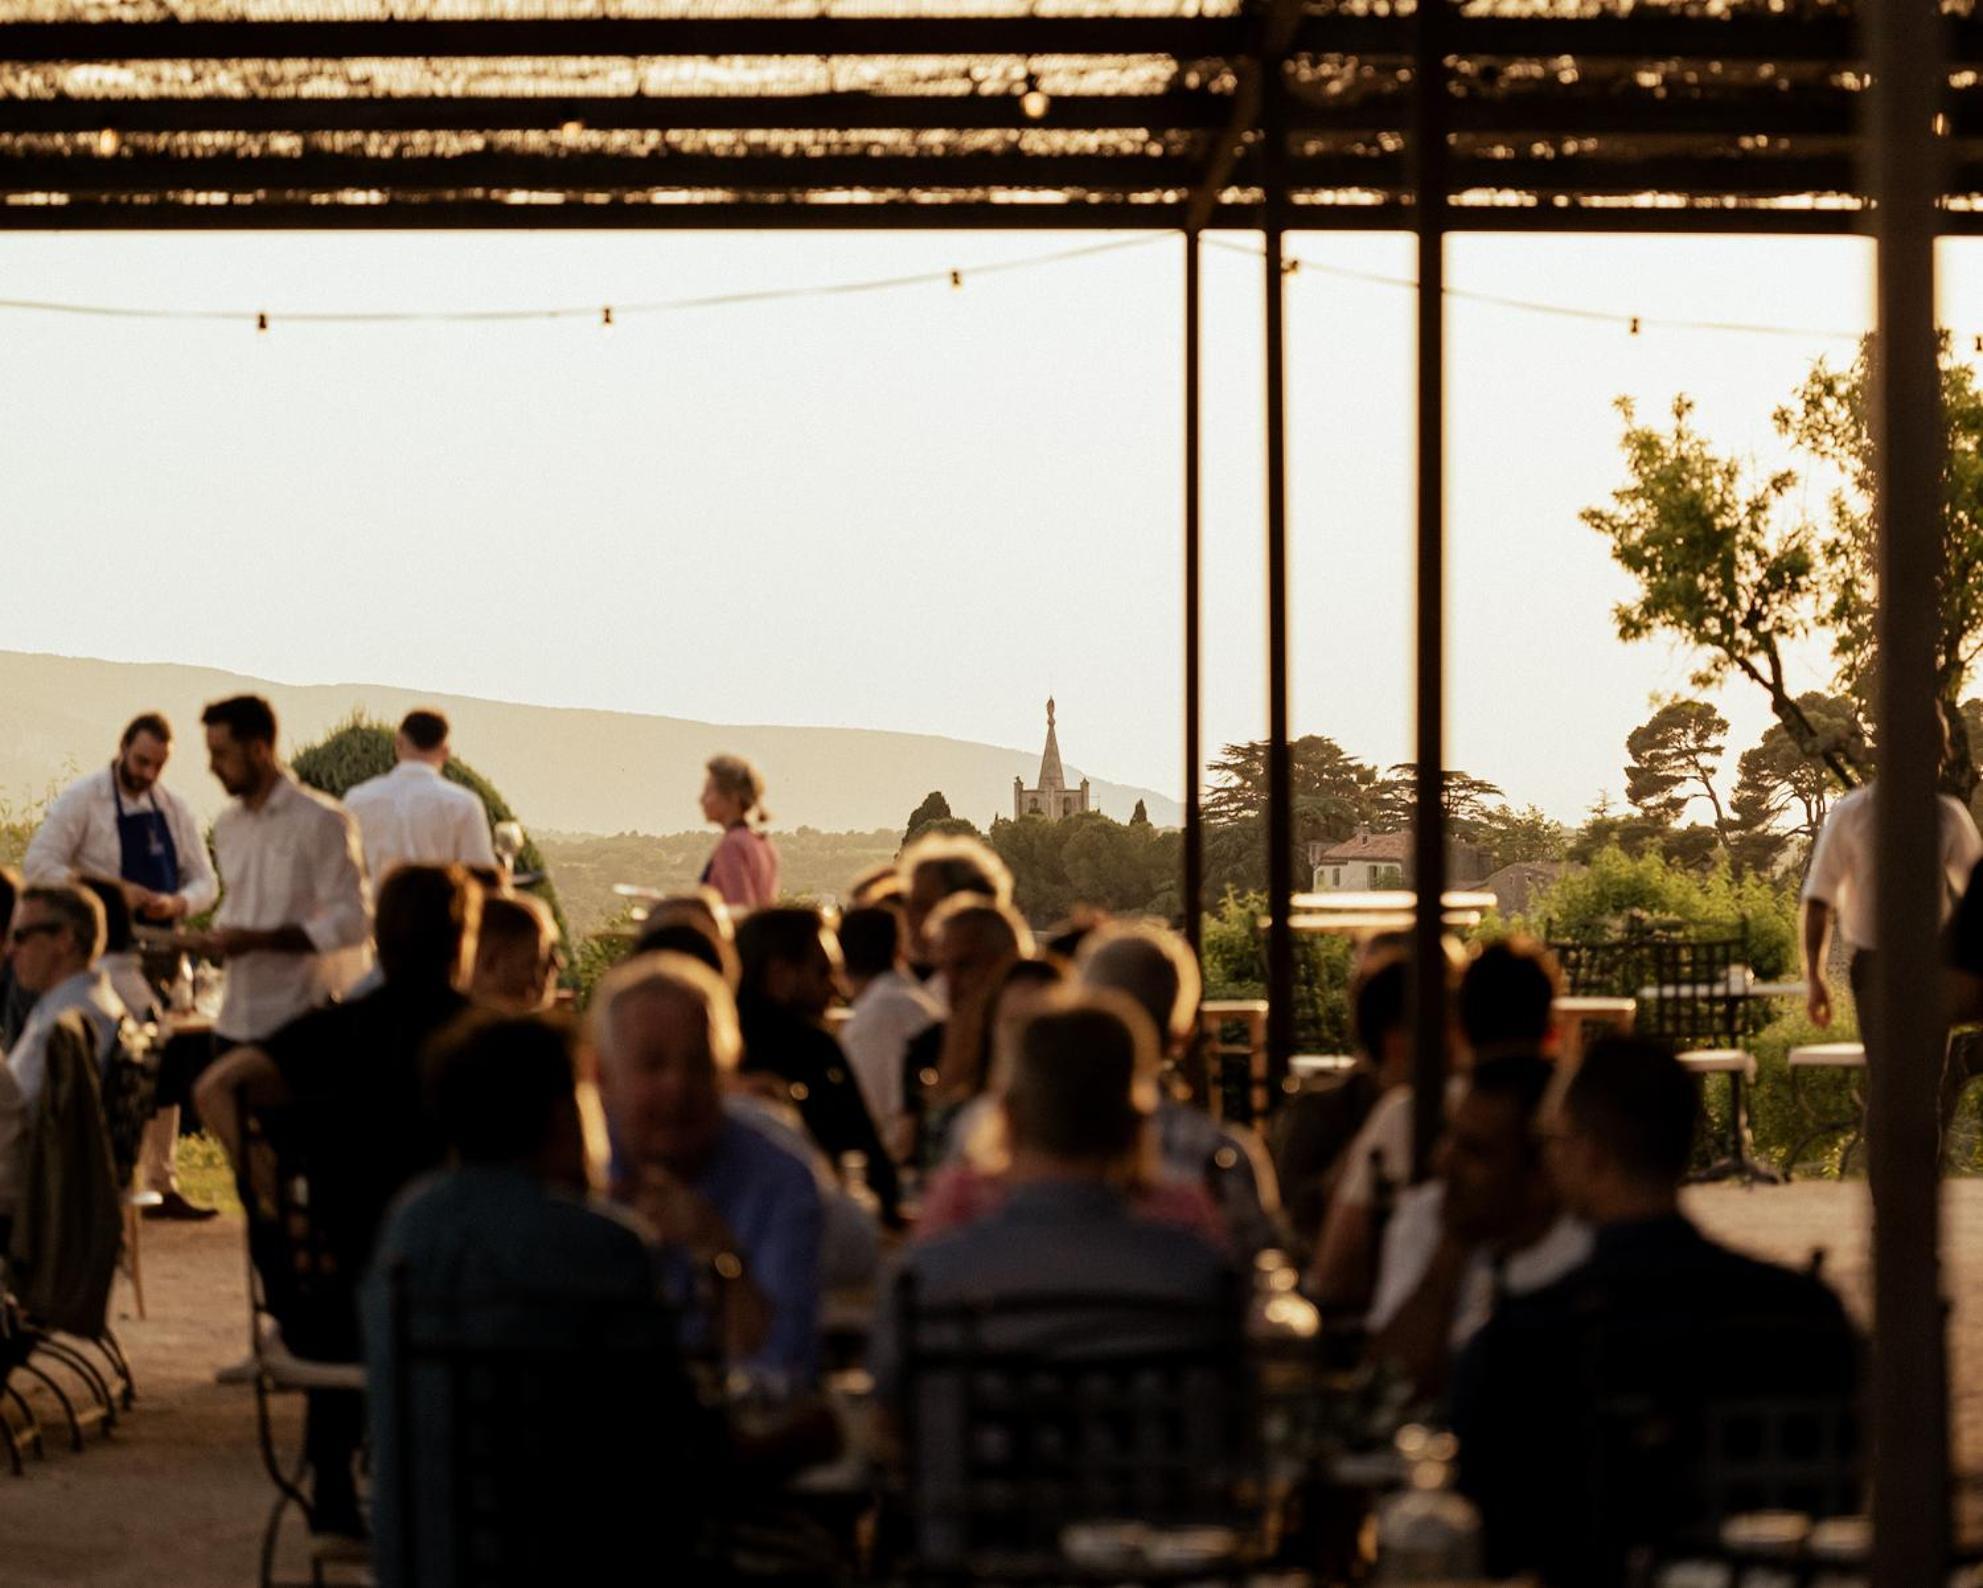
(606, 315)
(261, 323)
(1034, 102)
(956, 280)
(108, 143)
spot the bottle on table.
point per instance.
(854, 1181)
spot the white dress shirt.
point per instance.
(415, 816)
(890, 1013)
(1412, 1237)
(1841, 872)
(88, 991)
(78, 838)
(294, 862)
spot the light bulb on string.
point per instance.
(956, 280)
(1635, 325)
(1035, 101)
(108, 143)
(606, 315)
(261, 323)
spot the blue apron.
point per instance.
(146, 853)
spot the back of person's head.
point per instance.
(117, 938)
(1633, 1103)
(516, 952)
(784, 935)
(876, 885)
(1379, 997)
(1152, 965)
(249, 718)
(1508, 996)
(1519, 1079)
(152, 723)
(425, 729)
(75, 909)
(694, 933)
(501, 1085)
(673, 979)
(426, 924)
(1080, 1089)
(737, 777)
(10, 890)
(952, 863)
(871, 940)
(1065, 938)
(992, 929)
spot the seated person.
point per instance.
(1378, 1163)
(56, 941)
(1507, 1001)
(742, 1213)
(15, 1000)
(507, 1246)
(889, 1010)
(940, 867)
(517, 957)
(791, 975)
(973, 1182)
(1074, 1110)
(346, 1083)
(691, 925)
(1154, 967)
(1660, 1317)
(1490, 1224)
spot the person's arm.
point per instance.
(55, 852)
(199, 888)
(1343, 1264)
(246, 1073)
(1817, 948)
(473, 845)
(1416, 1336)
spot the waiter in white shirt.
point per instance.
(123, 823)
(296, 898)
(413, 815)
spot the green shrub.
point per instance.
(357, 749)
(1235, 964)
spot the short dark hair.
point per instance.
(10, 890)
(684, 933)
(424, 728)
(1508, 994)
(76, 908)
(151, 722)
(116, 912)
(1072, 1090)
(249, 718)
(1378, 1003)
(1632, 1098)
(497, 1082)
(1519, 1078)
(424, 913)
(871, 939)
(780, 936)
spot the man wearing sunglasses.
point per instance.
(56, 938)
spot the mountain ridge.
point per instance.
(573, 769)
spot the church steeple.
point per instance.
(1052, 777)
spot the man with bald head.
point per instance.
(742, 1213)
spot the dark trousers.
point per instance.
(1960, 1055)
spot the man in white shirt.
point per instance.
(890, 1010)
(122, 823)
(1490, 1225)
(413, 815)
(296, 897)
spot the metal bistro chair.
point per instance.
(1038, 1428)
(536, 1439)
(1688, 1429)
(294, 1269)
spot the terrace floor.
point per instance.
(178, 1495)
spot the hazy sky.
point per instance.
(921, 509)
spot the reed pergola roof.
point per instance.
(1146, 114)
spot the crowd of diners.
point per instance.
(765, 1106)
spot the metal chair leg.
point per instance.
(13, 1445)
(61, 1399)
(84, 1369)
(120, 1367)
(31, 1426)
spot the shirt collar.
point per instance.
(73, 992)
(414, 769)
(1064, 1199)
(1636, 1236)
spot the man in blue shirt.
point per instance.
(742, 1213)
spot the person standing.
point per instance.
(744, 868)
(122, 828)
(414, 815)
(123, 823)
(296, 895)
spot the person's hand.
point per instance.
(227, 942)
(140, 899)
(163, 907)
(1818, 1001)
(680, 1215)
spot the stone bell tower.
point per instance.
(1053, 799)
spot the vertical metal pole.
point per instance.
(1280, 766)
(1429, 1003)
(1194, 750)
(1909, 1019)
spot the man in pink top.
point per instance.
(744, 868)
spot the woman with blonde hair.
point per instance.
(744, 868)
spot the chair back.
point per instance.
(530, 1439)
(130, 1086)
(1029, 1415)
(1690, 995)
(302, 1273)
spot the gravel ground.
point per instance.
(177, 1497)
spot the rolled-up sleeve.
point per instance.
(197, 884)
(54, 854)
(476, 848)
(341, 908)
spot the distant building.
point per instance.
(1053, 799)
(1516, 887)
(1368, 860)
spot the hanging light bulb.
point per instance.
(1034, 102)
(956, 279)
(606, 315)
(262, 322)
(108, 143)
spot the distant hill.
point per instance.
(571, 770)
